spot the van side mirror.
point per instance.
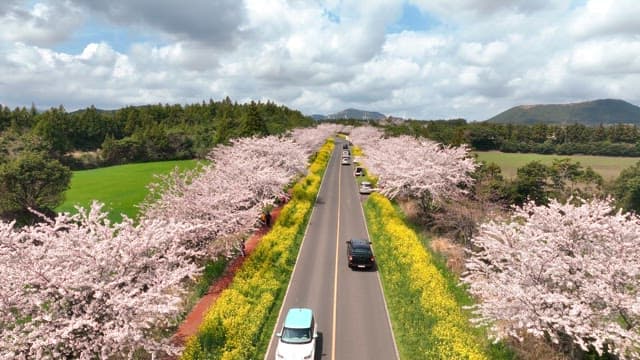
(279, 335)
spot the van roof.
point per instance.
(298, 318)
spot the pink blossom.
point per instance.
(407, 166)
(82, 287)
(559, 270)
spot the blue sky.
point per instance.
(120, 39)
(421, 59)
(412, 19)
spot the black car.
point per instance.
(359, 254)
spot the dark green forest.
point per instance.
(138, 133)
(38, 149)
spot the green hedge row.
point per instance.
(239, 324)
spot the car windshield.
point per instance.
(366, 185)
(296, 336)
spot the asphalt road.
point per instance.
(348, 305)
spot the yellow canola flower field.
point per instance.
(239, 319)
(428, 322)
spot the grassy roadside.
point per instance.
(239, 324)
(213, 270)
(608, 167)
(420, 296)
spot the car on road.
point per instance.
(365, 188)
(297, 340)
(346, 153)
(346, 160)
(359, 171)
(359, 254)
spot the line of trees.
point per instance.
(38, 149)
(140, 133)
(608, 140)
(536, 181)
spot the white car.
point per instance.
(346, 161)
(366, 188)
(297, 340)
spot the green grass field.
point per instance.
(120, 188)
(607, 166)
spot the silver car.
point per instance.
(366, 188)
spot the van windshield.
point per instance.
(296, 336)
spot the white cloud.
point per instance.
(8, 5)
(479, 58)
(44, 24)
(306, 33)
(482, 54)
(607, 17)
(215, 23)
(414, 45)
(606, 57)
(485, 8)
(98, 54)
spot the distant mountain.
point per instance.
(607, 111)
(100, 111)
(357, 114)
(319, 117)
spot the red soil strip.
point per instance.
(191, 324)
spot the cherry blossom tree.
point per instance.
(227, 196)
(562, 271)
(407, 166)
(81, 287)
(312, 138)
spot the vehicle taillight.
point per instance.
(373, 258)
(350, 258)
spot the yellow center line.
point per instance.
(335, 279)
